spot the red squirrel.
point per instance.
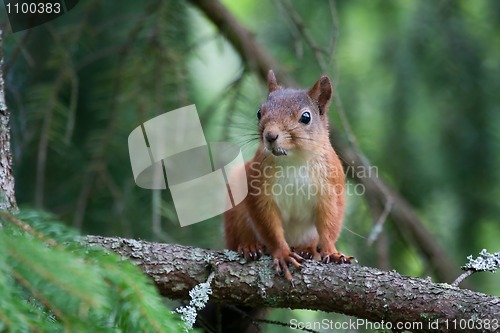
(296, 184)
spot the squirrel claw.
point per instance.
(251, 252)
(295, 259)
(305, 253)
(281, 265)
(338, 258)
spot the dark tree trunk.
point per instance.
(7, 194)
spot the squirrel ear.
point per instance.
(271, 81)
(321, 93)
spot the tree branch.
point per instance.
(354, 290)
(257, 59)
(254, 56)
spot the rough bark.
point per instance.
(7, 197)
(354, 290)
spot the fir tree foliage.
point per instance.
(51, 282)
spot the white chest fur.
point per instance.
(295, 191)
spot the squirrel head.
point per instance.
(293, 121)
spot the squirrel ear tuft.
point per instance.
(271, 81)
(321, 93)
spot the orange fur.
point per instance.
(293, 154)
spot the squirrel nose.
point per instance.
(271, 137)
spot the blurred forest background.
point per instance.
(419, 82)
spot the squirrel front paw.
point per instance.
(307, 252)
(337, 257)
(251, 251)
(282, 258)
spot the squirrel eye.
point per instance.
(259, 114)
(305, 118)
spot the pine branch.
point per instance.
(50, 283)
(354, 290)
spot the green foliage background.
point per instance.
(419, 81)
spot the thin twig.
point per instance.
(302, 30)
(299, 50)
(70, 126)
(335, 33)
(43, 144)
(377, 226)
(462, 277)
